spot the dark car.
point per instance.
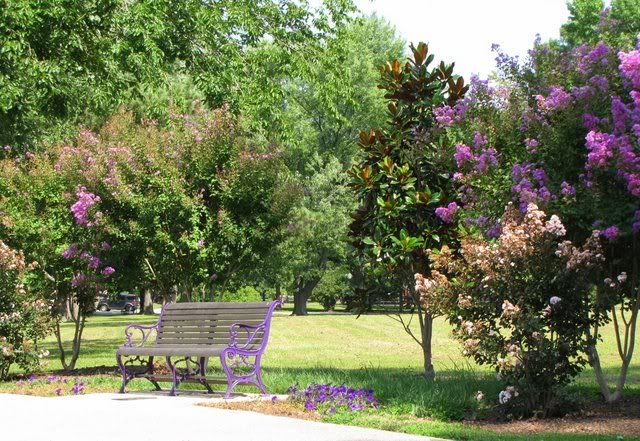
(123, 302)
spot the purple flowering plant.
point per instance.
(567, 140)
(329, 399)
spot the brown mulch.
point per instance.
(622, 418)
(278, 408)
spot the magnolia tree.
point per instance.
(24, 316)
(406, 204)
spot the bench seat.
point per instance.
(173, 351)
(191, 333)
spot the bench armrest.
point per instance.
(145, 333)
(250, 330)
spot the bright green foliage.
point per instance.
(399, 180)
(615, 22)
(584, 17)
(317, 231)
(242, 294)
(68, 62)
(333, 287)
(335, 95)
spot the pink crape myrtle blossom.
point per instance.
(80, 208)
(630, 66)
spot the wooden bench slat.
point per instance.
(236, 318)
(219, 305)
(207, 326)
(202, 341)
(218, 313)
(213, 321)
(217, 336)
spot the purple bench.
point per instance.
(189, 333)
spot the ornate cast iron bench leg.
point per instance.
(129, 374)
(174, 375)
(202, 364)
(233, 358)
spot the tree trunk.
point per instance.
(173, 295)
(427, 332)
(299, 304)
(147, 303)
(301, 294)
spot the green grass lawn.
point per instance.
(370, 351)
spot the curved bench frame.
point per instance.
(241, 352)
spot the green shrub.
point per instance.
(242, 294)
(332, 287)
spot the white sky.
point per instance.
(463, 30)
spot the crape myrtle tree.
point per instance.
(140, 206)
(61, 226)
(584, 124)
(559, 129)
(406, 203)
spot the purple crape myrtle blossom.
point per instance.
(590, 122)
(80, 208)
(104, 246)
(611, 233)
(479, 158)
(530, 185)
(78, 279)
(446, 214)
(463, 155)
(599, 82)
(567, 189)
(591, 57)
(621, 115)
(532, 145)
(557, 99)
(447, 116)
(600, 146)
(108, 271)
(71, 251)
(630, 66)
(329, 398)
(583, 93)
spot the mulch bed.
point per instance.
(621, 418)
(278, 408)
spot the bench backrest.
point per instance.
(209, 323)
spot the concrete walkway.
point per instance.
(155, 417)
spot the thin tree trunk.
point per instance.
(56, 331)
(594, 361)
(427, 333)
(626, 347)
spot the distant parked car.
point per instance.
(123, 302)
